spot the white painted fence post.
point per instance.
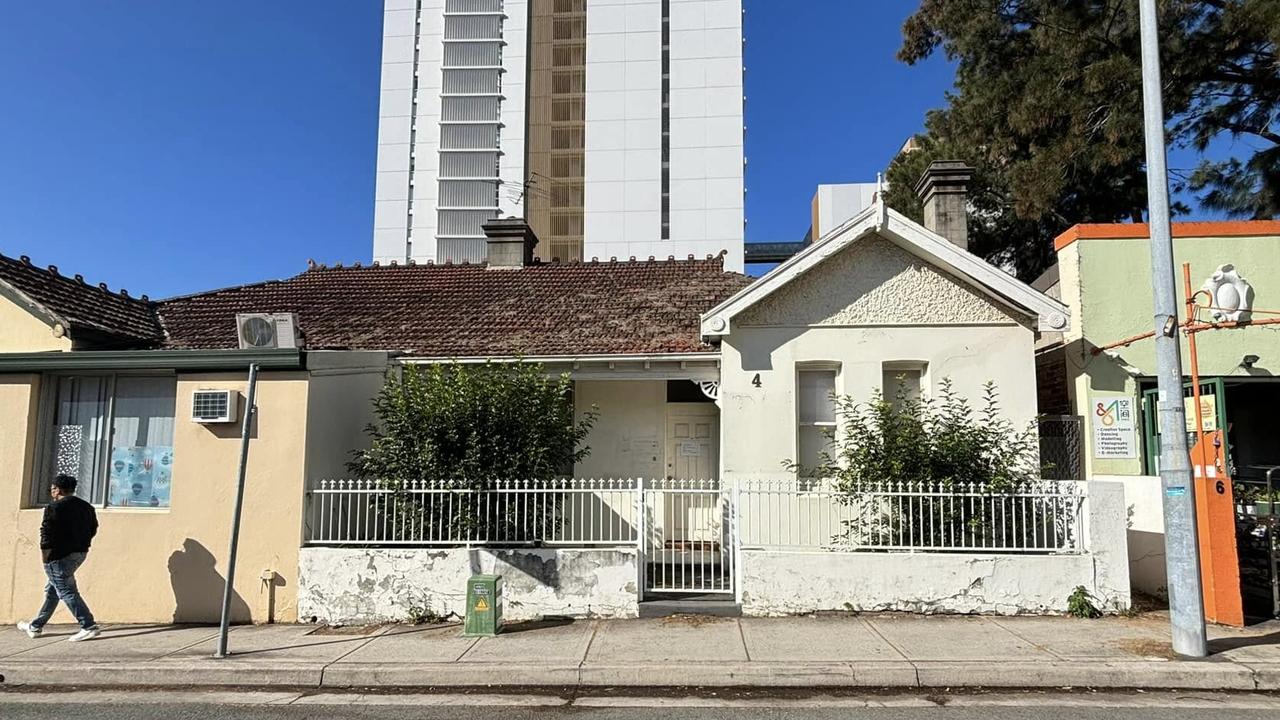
(735, 536)
(642, 563)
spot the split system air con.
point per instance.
(260, 331)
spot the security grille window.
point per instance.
(469, 110)
(468, 137)
(467, 193)
(113, 433)
(470, 130)
(815, 416)
(472, 54)
(465, 165)
(471, 27)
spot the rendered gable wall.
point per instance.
(870, 304)
(875, 282)
(20, 331)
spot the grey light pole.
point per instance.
(1182, 554)
(228, 590)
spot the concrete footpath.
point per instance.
(870, 651)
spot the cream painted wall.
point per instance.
(339, 408)
(163, 565)
(758, 424)
(20, 331)
(627, 439)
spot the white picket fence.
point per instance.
(707, 519)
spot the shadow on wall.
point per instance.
(198, 587)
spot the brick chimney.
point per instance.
(509, 242)
(944, 190)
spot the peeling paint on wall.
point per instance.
(345, 585)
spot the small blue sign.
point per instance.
(1175, 491)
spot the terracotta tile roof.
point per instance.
(1140, 231)
(576, 308)
(92, 312)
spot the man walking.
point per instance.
(69, 526)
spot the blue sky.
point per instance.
(170, 146)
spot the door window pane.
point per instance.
(80, 410)
(142, 442)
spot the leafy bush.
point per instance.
(933, 472)
(472, 428)
(932, 440)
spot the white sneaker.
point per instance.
(86, 634)
(32, 632)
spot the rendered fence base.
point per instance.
(776, 583)
(351, 585)
(780, 583)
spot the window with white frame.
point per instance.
(113, 434)
(815, 415)
(902, 381)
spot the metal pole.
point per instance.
(1182, 555)
(249, 411)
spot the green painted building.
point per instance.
(1103, 275)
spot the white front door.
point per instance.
(693, 442)
(693, 462)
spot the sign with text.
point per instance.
(1114, 427)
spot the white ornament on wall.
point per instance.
(1231, 295)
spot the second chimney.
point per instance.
(944, 190)
(509, 242)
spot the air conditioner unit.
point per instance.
(257, 331)
(214, 406)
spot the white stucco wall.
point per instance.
(781, 583)
(872, 303)
(378, 584)
(758, 423)
(1145, 509)
(627, 438)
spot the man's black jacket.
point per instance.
(68, 527)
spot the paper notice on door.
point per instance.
(690, 449)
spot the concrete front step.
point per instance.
(665, 606)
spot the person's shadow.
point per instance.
(197, 587)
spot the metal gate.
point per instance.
(688, 537)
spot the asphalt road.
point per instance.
(248, 705)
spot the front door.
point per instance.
(693, 442)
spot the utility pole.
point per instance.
(228, 590)
(1182, 554)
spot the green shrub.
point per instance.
(473, 428)
(934, 448)
(930, 440)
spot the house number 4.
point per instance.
(756, 380)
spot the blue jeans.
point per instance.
(62, 586)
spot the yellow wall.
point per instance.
(20, 331)
(164, 565)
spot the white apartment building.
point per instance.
(614, 126)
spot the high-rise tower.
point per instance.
(614, 126)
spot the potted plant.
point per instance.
(1266, 503)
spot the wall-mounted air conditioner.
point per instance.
(258, 331)
(214, 406)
